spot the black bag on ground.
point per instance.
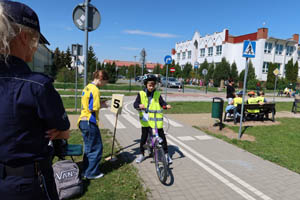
(67, 179)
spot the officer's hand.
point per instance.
(169, 106)
(56, 134)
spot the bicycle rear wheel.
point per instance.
(161, 164)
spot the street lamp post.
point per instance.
(134, 68)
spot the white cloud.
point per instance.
(159, 35)
(68, 28)
(130, 48)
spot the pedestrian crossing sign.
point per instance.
(249, 49)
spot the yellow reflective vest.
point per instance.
(237, 100)
(260, 99)
(154, 112)
(253, 101)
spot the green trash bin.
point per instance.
(217, 110)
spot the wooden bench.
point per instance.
(264, 111)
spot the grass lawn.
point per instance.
(278, 143)
(203, 88)
(183, 107)
(120, 181)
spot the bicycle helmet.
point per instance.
(149, 77)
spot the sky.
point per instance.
(128, 26)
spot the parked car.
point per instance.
(138, 78)
(172, 82)
(121, 77)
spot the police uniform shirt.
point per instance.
(29, 106)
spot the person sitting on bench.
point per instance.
(261, 98)
(252, 100)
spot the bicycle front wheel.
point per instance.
(161, 164)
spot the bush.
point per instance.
(251, 84)
(66, 75)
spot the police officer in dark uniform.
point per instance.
(31, 111)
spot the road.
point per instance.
(203, 167)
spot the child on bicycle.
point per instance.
(150, 100)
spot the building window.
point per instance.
(189, 54)
(279, 49)
(289, 50)
(268, 47)
(210, 51)
(265, 67)
(219, 50)
(178, 56)
(202, 52)
(183, 55)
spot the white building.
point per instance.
(220, 44)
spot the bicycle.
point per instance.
(154, 147)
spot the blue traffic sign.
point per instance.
(249, 49)
(196, 65)
(168, 59)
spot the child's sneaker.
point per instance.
(95, 177)
(140, 158)
(169, 159)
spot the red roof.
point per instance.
(120, 63)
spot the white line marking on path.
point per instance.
(224, 171)
(173, 123)
(127, 109)
(186, 138)
(215, 174)
(132, 120)
(204, 137)
(112, 119)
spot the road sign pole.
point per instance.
(86, 41)
(206, 85)
(167, 69)
(244, 91)
(76, 78)
(275, 88)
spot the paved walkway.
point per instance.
(204, 167)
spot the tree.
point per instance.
(204, 65)
(234, 74)
(92, 60)
(295, 72)
(222, 72)
(178, 72)
(271, 77)
(111, 70)
(156, 69)
(210, 72)
(186, 70)
(291, 71)
(56, 62)
(251, 73)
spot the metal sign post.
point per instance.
(276, 73)
(87, 18)
(168, 60)
(248, 52)
(76, 51)
(204, 73)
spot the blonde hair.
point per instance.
(9, 30)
